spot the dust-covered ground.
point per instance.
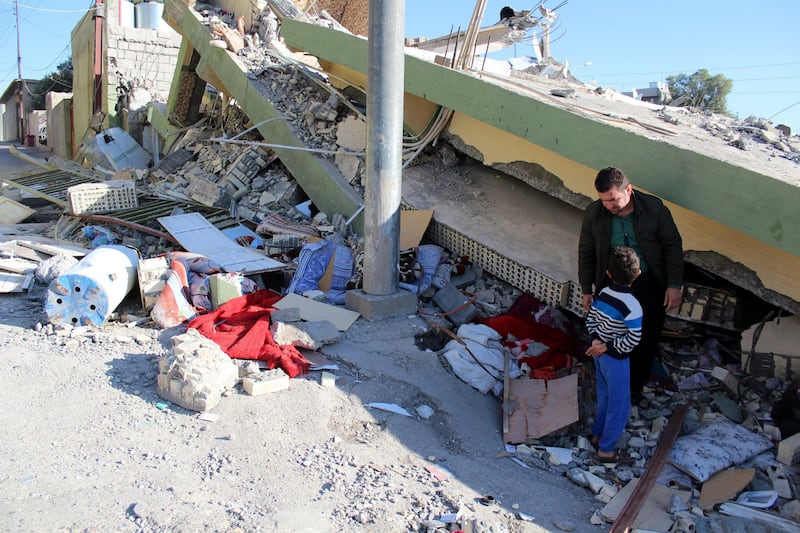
(87, 445)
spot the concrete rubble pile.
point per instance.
(250, 183)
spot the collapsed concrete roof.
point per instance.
(736, 208)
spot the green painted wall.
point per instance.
(755, 204)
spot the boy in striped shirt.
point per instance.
(615, 325)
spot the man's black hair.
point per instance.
(623, 265)
(610, 177)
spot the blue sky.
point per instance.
(631, 43)
(628, 43)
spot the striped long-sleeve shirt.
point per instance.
(616, 319)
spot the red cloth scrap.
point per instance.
(241, 328)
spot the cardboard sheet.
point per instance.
(724, 485)
(653, 516)
(312, 310)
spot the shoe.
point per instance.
(619, 457)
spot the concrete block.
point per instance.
(455, 304)
(266, 382)
(373, 307)
(463, 280)
(327, 379)
(287, 314)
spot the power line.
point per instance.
(45, 10)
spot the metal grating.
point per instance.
(524, 278)
(51, 185)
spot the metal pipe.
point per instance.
(385, 81)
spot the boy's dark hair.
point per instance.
(623, 265)
(610, 177)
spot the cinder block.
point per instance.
(266, 382)
(455, 304)
(327, 379)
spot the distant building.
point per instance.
(657, 93)
(11, 130)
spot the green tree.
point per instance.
(59, 81)
(700, 90)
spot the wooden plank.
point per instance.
(17, 265)
(52, 246)
(24, 229)
(10, 282)
(13, 249)
(630, 511)
(12, 212)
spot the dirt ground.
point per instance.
(87, 446)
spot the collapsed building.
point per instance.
(506, 164)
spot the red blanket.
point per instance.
(241, 328)
(561, 345)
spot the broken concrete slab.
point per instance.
(312, 310)
(309, 335)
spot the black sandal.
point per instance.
(619, 457)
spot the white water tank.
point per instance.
(126, 14)
(149, 16)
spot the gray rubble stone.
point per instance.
(53, 267)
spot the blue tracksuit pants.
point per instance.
(613, 400)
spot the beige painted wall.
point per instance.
(83, 75)
(59, 123)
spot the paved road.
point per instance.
(12, 165)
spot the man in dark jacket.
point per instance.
(624, 217)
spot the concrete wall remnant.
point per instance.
(131, 58)
(197, 372)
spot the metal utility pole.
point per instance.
(385, 78)
(20, 103)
